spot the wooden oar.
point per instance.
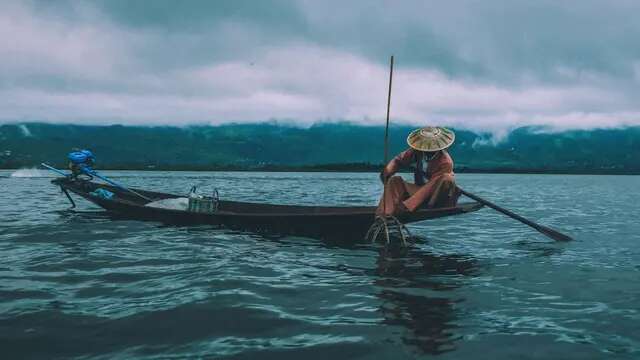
(94, 173)
(555, 235)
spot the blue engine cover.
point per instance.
(89, 154)
(81, 157)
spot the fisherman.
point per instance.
(427, 147)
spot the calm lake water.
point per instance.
(78, 284)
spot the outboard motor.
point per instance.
(81, 163)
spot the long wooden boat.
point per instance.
(314, 221)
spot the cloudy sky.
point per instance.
(488, 65)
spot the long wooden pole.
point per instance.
(386, 137)
(386, 131)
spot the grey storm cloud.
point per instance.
(492, 39)
(476, 64)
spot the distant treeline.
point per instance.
(357, 167)
(323, 147)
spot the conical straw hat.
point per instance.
(431, 138)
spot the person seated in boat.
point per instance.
(427, 147)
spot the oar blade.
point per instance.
(555, 235)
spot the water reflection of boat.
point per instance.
(317, 221)
(415, 293)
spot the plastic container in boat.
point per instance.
(201, 203)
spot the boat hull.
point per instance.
(313, 221)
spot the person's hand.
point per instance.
(384, 177)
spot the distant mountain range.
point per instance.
(331, 146)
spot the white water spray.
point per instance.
(30, 173)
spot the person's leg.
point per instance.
(391, 200)
(442, 187)
(420, 196)
(411, 188)
(445, 194)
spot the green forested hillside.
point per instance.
(270, 145)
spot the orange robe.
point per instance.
(439, 191)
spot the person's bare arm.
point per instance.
(400, 160)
